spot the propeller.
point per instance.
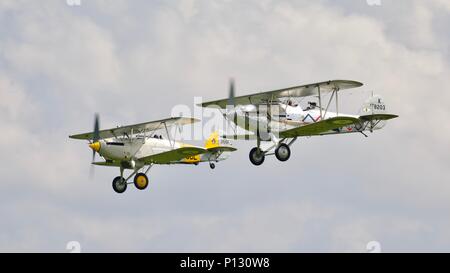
(231, 94)
(96, 136)
(231, 105)
(95, 144)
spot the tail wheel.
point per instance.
(257, 156)
(212, 166)
(283, 152)
(119, 185)
(141, 181)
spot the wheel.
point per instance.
(119, 184)
(283, 152)
(141, 181)
(257, 156)
(212, 166)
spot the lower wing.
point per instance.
(319, 127)
(173, 155)
(108, 163)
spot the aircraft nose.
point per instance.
(95, 146)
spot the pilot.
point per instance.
(311, 105)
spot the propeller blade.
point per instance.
(92, 171)
(94, 144)
(96, 136)
(231, 107)
(231, 94)
(96, 128)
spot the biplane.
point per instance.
(278, 118)
(135, 147)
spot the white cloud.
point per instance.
(134, 61)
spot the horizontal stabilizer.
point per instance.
(378, 117)
(221, 149)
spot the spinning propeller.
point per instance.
(231, 107)
(95, 144)
(231, 94)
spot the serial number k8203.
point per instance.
(381, 107)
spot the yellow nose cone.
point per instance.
(95, 146)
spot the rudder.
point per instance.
(372, 106)
(212, 141)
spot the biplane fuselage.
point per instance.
(273, 116)
(133, 147)
(136, 146)
(128, 152)
(291, 117)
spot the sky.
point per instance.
(133, 61)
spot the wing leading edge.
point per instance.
(296, 91)
(147, 126)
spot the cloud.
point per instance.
(133, 61)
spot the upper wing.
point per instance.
(136, 128)
(320, 127)
(296, 91)
(173, 155)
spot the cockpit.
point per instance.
(292, 103)
(311, 106)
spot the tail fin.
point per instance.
(213, 141)
(374, 106)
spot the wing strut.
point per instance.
(334, 93)
(337, 104)
(320, 102)
(168, 136)
(329, 102)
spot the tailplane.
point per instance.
(373, 105)
(217, 144)
(374, 110)
(212, 141)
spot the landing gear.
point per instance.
(280, 148)
(119, 184)
(257, 156)
(141, 181)
(212, 166)
(283, 152)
